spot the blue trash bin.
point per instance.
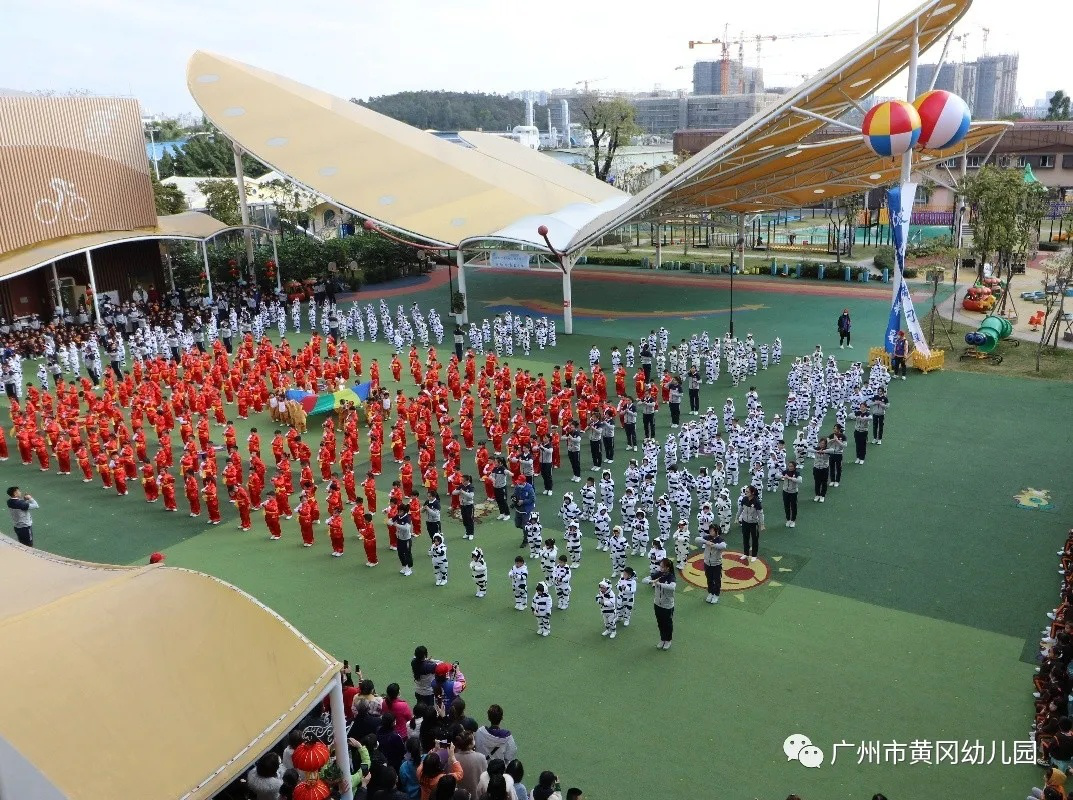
(820, 271)
(797, 271)
(847, 274)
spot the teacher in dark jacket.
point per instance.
(843, 330)
(524, 501)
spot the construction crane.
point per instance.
(585, 83)
(964, 39)
(726, 43)
(987, 32)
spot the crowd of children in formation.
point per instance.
(180, 371)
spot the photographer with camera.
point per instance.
(19, 506)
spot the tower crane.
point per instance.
(726, 43)
(585, 83)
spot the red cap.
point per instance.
(520, 480)
(443, 669)
(157, 558)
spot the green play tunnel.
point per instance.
(993, 329)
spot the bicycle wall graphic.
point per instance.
(67, 199)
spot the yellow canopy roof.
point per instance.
(765, 163)
(189, 225)
(185, 677)
(391, 172)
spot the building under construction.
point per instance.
(708, 78)
(988, 85)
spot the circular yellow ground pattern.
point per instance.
(737, 575)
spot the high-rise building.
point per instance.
(708, 78)
(988, 85)
(996, 86)
(663, 116)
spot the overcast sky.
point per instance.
(362, 49)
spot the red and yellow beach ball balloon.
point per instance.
(944, 119)
(891, 128)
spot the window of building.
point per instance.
(951, 163)
(1004, 161)
(1022, 161)
(1046, 162)
(974, 162)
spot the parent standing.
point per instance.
(19, 506)
(751, 516)
(843, 330)
(524, 501)
(663, 603)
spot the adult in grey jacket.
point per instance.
(714, 544)
(19, 506)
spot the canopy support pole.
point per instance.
(243, 207)
(339, 737)
(275, 260)
(56, 285)
(460, 262)
(568, 310)
(659, 247)
(93, 287)
(740, 267)
(911, 94)
(208, 275)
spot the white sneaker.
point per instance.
(612, 634)
(822, 498)
(715, 599)
(787, 524)
(402, 571)
(659, 646)
(841, 347)
(606, 632)
(903, 377)
(752, 558)
(835, 483)
(793, 523)
(1050, 615)
(849, 346)
(666, 645)
(815, 498)
(409, 572)
(880, 442)
(626, 623)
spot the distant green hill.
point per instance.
(450, 111)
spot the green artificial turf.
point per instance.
(900, 608)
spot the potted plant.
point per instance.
(458, 305)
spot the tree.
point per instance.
(843, 213)
(1005, 215)
(221, 200)
(168, 199)
(208, 156)
(610, 122)
(450, 111)
(1058, 109)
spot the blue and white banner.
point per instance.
(900, 208)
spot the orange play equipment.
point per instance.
(978, 298)
(1036, 320)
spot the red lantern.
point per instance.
(310, 756)
(89, 290)
(270, 264)
(203, 276)
(232, 263)
(312, 790)
(234, 273)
